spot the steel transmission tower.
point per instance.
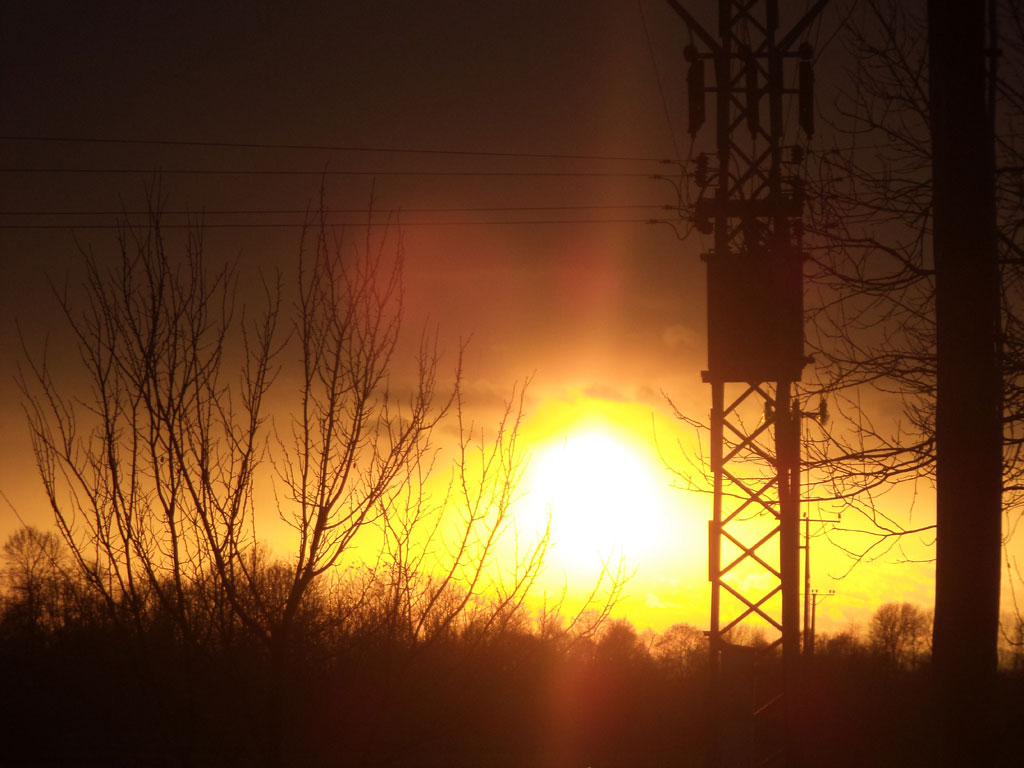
(752, 202)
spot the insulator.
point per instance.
(700, 175)
(806, 97)
(703, 223)
(798, 187)
(753, 92)
(695, 88)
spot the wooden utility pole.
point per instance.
(968, 420)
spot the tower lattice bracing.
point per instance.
(751, 201)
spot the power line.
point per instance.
(332, 211)
(657, 80)
(336, 148)
(322, 172)
(297, 225)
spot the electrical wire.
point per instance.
(657, 80)
(322, 172)
(336, 148)
(302, 211)
(306, 225)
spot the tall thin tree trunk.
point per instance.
(968, 429)
(276, 704)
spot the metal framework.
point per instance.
(755, 356)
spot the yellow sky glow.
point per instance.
(598, 469)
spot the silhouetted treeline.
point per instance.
(529, 690)
(361, 690)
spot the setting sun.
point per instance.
(596, 474)
(604, 499)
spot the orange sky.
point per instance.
(606, 317)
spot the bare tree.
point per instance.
(35, 578)
(927, 205)
(899, 632)
(157, 454)
(872, 323)
(681, 646)
(149, 470)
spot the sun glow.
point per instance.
(603, 499)
(599, 480)
(599, 473)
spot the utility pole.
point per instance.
(814, 595)
(753, 206)
(810, 599)
(808, 632)
(969, 402)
